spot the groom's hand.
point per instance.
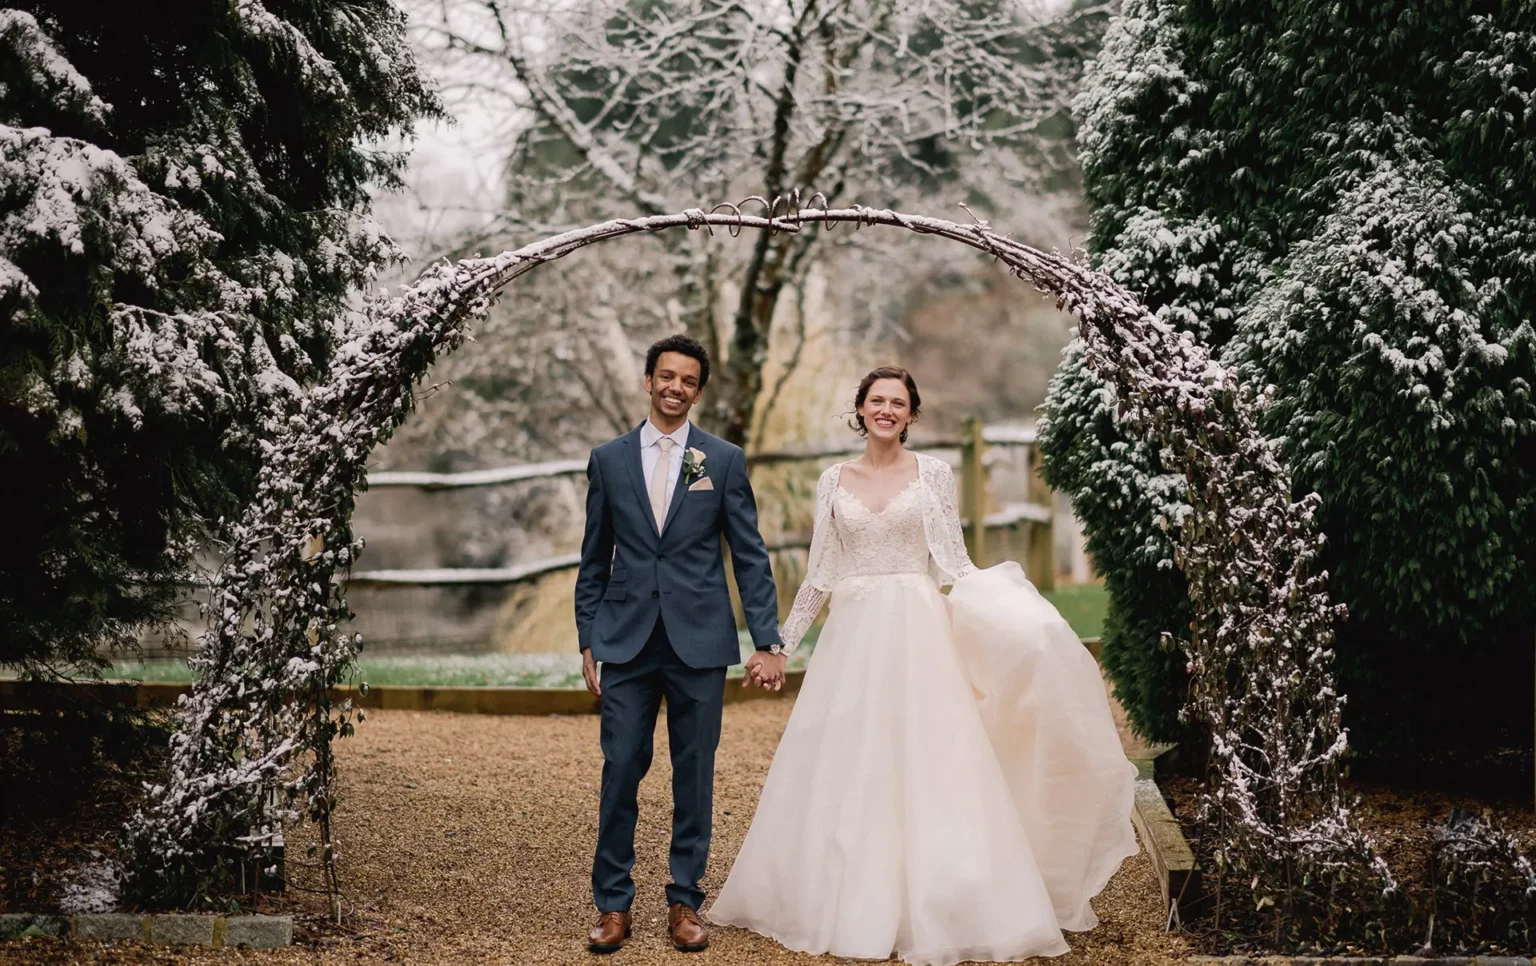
(589, 672)
(766, 670)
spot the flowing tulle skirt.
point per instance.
(949, 787)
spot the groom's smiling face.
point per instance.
(674, 385)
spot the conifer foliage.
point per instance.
(1341, 201)
(183, 225)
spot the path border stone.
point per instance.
(112, 927)
(163, 929)
(24, 924)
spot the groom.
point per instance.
(652, 607)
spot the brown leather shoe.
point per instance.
(688, 933)
(610, 932)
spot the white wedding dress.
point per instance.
(950, 785)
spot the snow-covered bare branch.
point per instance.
(637, 110)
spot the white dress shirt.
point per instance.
(650, 452)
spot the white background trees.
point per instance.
(618, 109)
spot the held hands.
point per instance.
(766, 670)
(763, 670)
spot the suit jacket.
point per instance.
(630, 573)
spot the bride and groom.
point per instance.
(950, 785)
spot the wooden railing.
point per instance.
(1033, 521)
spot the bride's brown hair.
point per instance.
(875, 375)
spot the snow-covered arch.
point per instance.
(260, 715)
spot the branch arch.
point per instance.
(260, 717)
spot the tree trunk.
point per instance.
(741, 377)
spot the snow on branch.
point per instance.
(22, 40)
(662, 103)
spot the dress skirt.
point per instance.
(949, 787)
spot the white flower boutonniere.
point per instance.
(693, 465)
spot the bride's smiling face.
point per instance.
(887, 409)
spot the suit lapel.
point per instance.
(695, 441)
(633, 461)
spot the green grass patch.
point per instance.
(438, 670)
(1084, 607)
(561, 670)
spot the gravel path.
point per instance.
(466, 839)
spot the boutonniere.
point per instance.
(693, 465)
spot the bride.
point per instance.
(950, 785)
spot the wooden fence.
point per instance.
(1020, 531)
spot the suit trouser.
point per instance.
(632, 694)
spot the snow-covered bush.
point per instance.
(1338, 203)
(1484, 889)
(183, 216)
(1342, 202)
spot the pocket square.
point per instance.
(705, 484)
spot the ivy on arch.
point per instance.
(253, 746)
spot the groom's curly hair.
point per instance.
(679, 343)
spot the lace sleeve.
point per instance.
(941, 520)
(825, 562)
(952, 523)
(808, 602)
(823, 566)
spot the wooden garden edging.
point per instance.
(36, 696)
(1178, 876)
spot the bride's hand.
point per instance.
(753, 669)
(766, 670)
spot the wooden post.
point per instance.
(1041, 565)
(973, 488)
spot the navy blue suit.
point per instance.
(655, 611)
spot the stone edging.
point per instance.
(1172, 859)
(1360, 960)
(174, 929)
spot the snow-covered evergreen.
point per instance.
(1343, 204)
(184, 222)
(184, 235)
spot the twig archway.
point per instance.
(253, 747)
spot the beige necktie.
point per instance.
(659, 474)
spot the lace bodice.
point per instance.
(888, 542)
(918, 531)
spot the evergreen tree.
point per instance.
(1342, 199)
(183, 225)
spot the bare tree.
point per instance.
(635, 107)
